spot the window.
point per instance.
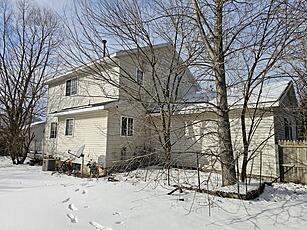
(188, 127)
(53, 129)
(139, 76)
(69, 127)
(123, 153)
(193, 128)
(296, 129)
(126, 126)
(71, 87)
(288, 129)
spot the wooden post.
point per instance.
(238, 173)
(260, 166)
(82, 165)
(198, 174)
(281, 162)
(251, 171)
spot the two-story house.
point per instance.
(101, 106)
(109, 106)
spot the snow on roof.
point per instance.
(78, 111)
(268, 94)
(84, 109)
(197, 97)
(37, 123)
(271, 92)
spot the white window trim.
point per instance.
(120, 128)
(73, 127)
(77, 84)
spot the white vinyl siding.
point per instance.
(89, 129)
(199, 135)
(89, 91)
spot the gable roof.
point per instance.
(267, 95)
(107, 59)
(271, 94)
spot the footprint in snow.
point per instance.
(66, 200)
(86, 206)
(67, 185)
(89, 186)
(72, 218)
(72, 207)
(119, 222)
(98, 226)
(77, 190)
(84, 191)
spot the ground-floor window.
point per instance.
(288, 129)
(123, 153)
(69, 126)
(126, 126)
(53, 129)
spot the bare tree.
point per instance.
(296, 65)
(136, 28)
(29, 37)
(271, 34)
(211, 30)
(234, 43)
(245, 43)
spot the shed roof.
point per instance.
(84, 109)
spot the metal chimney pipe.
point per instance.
(104, 44)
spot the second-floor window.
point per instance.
(126, 126)
(53, 129)
(69, 127)
(71, 87)
(139, 76)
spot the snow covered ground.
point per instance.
(34, 200)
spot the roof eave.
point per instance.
(68, 74)
(104, 59)
(85, 110)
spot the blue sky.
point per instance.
(57, 5)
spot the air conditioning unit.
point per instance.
(49, 164)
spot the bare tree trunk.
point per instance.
(245, 145)
(168, 149)
(213, 38)
(167, 145)
(224, 136)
